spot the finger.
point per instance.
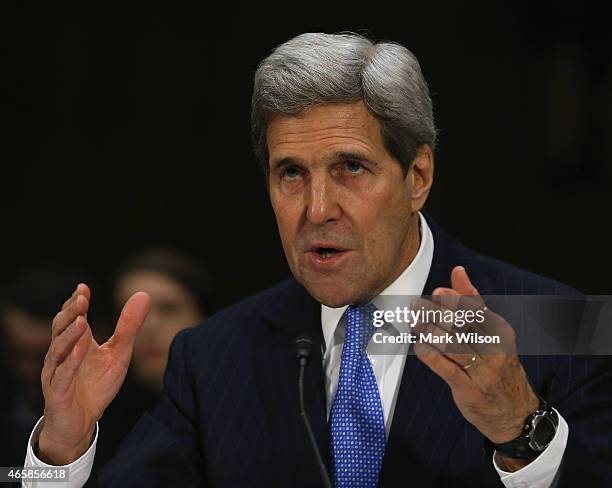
(466, 297)
(453, 300)
(446, 343)
(446, 369)
(461, 282)
(63, 319)
(447, 297)
(459, 316)
(483, 333)
(132, 316)
(58, 351)
(432, 313)
(70, 298)
(62, 345)
(81, 289)
(67, 370)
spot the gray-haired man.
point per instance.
(344, 131)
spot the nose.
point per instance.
(151, 323)
(322, 204)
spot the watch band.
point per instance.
(539, 429)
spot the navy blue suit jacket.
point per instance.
(229, 414)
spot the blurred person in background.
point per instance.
(180, 292)
(27, 306)
(180, 297)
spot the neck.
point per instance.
(406, 254)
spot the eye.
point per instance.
(291, 172)
(353, 167)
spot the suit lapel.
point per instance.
(425, 426)
(426, 422)
(277, 374)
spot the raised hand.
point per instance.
(490, 387)
(80, 377)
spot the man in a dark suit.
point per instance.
(344, 129)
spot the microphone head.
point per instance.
(303, 347)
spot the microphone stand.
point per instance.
(303, 345)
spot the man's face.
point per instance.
(346, 214)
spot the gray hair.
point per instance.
(317, 68)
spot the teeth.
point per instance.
(326, 253)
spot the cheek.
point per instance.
(384, 225)
(286, 221)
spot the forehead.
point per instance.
(323, 128)
(153, 282)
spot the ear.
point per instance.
(421, 174)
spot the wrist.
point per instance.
(538, 431)
(515, 427)
(61, 454)
(511, 465)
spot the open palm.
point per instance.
(80, 378)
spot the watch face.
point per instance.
(543, 431)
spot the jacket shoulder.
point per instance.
(242, 322)
(490, 276)
(509, 279)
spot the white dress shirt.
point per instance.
(388, 370)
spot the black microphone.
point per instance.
(303, 349)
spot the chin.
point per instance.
(333, 296)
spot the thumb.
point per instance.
(132, 316)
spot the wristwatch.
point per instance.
(538, 431)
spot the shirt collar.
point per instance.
(410, 282)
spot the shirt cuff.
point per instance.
(540, 473)
(78, 471)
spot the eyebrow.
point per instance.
(354, 156)
(340, 155)
(281, 163)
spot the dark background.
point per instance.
(129, 126)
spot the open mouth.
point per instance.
(327, 252)
(325, 255)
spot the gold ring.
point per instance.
(470, 364)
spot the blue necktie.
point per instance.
(356, 421)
